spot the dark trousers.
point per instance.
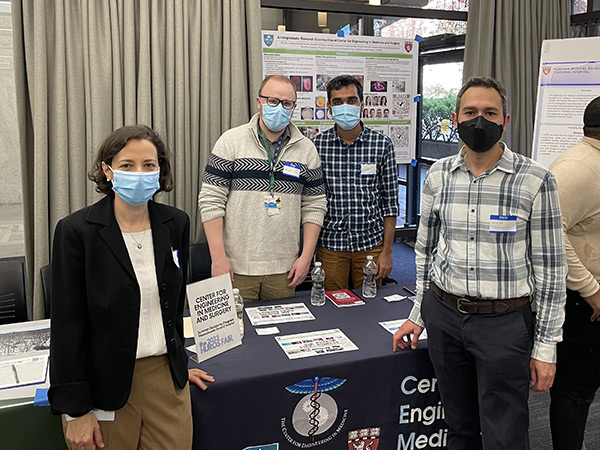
(481, 362)
(577, 375)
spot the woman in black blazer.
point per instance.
(118, 276)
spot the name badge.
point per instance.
(291, 169)
(176, 258)
(503, 224)
(272, 204)
(104, 416)
(368, 169)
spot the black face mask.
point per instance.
(479, 134)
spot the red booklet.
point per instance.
(344, 297)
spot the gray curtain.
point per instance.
(504, 39)
(187, 68)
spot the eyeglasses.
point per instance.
(273, 101)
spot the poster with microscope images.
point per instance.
(386, 68)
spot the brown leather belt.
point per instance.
(467, 306)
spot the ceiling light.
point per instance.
(375, 2)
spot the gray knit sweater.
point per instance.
(235, 184)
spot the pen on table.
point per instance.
(409, 290)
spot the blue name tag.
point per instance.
(291, 169)
(503, 224)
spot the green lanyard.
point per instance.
(273, 159)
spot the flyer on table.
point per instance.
(214, 320)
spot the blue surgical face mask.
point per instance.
(346, 116)
(135, 188)
(276, 118)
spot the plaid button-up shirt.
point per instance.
(361, 181)
(458, 250)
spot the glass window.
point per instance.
(579, 6)
(596, 5)
(408, 28)
(441, 83)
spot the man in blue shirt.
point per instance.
(361, 182)
(490, 242)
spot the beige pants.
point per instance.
(337, 266)
(157, 415)
(263, 287)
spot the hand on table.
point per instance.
(198, 377)
(402, 337)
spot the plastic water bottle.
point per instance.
(369, 287)
(239, 309)
(317, 294)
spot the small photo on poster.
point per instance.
(365, 113)
(297, 81)
(309, 131)
(307, 113)
(371, 113)
(378, 86)
(386, 113)
(398, 86)
(383, 100)
(375, 100)
(320, 113)
(322, 81)
(360, 78)
(307, 83)
(320, 101)
(368, 101)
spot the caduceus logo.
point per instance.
(316, 411)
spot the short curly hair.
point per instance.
(114, 143)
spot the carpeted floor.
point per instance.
(539, 428)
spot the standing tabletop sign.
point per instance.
(214, 320)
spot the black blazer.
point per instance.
(96, 305)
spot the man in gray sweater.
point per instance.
(262, 182)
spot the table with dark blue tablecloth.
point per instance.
(377, 399)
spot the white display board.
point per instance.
(214, 318)
(386, 67)
(569, 79)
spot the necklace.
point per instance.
(138, 243)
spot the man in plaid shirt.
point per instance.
(361, 182)
(489, 243)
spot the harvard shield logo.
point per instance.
(546, 70)
(364, 439)
(408, 45)
(268, 38)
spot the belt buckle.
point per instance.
(459, 304)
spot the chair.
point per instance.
(13, 292)
(46, 273)
(200, 263)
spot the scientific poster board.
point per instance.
(386, 67)
(569, 79)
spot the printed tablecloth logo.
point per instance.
(364, 438)
(316, 412)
